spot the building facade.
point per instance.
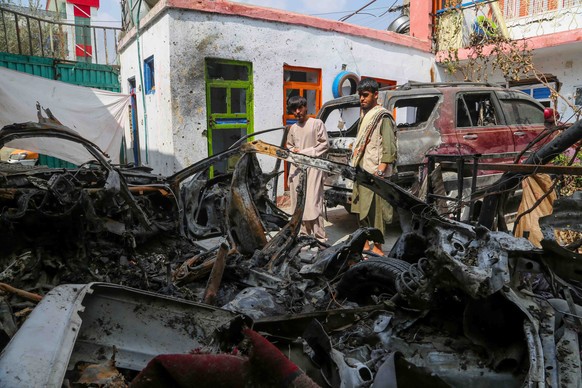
(204, 74)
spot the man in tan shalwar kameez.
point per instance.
(308, 137)
(375, 152)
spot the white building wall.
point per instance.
(182, 40)
(155, 121)
(269, 47)
(564, 63)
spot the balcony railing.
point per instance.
(26, 34)
(459, 27)
(542, 17)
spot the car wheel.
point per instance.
(371, 277)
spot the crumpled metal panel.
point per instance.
(78, 322)
(243, 220)
(479, 265)
(330, 262)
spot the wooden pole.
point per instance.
(23, 294)
(216, 275)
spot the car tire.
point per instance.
(340, 80)
(371, 277)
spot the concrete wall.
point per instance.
(563, 62)
(155, 122)
(183, 39)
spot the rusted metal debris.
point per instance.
(215, 277)
(451, 304)
(24, 294)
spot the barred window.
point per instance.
(538, 6)
(570, 3)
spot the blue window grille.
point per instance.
(541, 93)
(538, 93)
(149, 75)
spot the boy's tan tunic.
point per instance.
(380, 147)
(311, 139)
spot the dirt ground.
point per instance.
(339, 224)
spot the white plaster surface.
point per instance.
(181, 41)
(565, 62)
(160, 141)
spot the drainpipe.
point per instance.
(145, 111)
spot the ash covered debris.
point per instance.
(453, 304)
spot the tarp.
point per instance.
(97, 115)
(535, 187)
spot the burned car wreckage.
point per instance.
(452, 304)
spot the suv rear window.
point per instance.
(414, 112)
(518, 111)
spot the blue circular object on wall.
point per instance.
(340, 79)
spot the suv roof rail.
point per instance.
(414, 85)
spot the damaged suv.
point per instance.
(440, 119)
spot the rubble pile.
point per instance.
(453, 304)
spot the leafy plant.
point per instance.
(569, 183)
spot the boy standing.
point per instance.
(308, 137)
(375, 152)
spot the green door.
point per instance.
(229, 106)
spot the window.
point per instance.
(540, 93)
(149, 75)
(570, 3)
(538, 6)
(227, 71)
(414, 112)
(344, 120)
(218, 100)
(302, 81)
(511, 9)
(381, 82)
(520, 111)
(519, 8)
(476, 110)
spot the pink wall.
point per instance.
(538, 42)
(420, 19)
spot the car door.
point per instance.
(480, 126)
(524, 117)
